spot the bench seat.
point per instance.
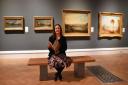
(79, 65)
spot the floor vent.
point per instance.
(104, 75)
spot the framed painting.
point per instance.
(76, 23)
(43, 23)
(110, 24)
(13, 23)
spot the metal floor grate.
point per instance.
(104, 75)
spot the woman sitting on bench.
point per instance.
(57, 57)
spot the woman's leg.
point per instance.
(59, 69)
(59, 72)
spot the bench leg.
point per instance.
(43, 72)
(79, 69)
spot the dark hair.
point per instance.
(54, 34)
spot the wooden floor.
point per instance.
(14, 71)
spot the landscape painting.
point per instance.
(13, 23)
(43, 23)
(76, 23)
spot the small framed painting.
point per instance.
(43, 23)
(13, 23)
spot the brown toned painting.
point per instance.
(43, 23)
(76, 23)
(13, 23)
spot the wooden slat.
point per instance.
(76, 59)
(80, 59)
(38, 61)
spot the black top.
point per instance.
(63, 45)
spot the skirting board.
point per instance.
(73, 52)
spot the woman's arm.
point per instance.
(63, 42)
(50, 46)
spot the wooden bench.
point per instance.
(79, 65)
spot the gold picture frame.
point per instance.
(13, 23)
(110, 24)
(76, 23)
(43, 23)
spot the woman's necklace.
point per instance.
(58, 38)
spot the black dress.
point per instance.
(63, 45)
(58, 58)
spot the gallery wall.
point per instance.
(38, 41)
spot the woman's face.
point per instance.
(57, 29)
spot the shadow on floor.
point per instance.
(69, 76)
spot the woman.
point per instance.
(57, 57)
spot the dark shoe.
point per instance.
(56, 76)
(60, 77)
(55, 79)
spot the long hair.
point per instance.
(54, 33)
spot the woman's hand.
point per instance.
(50, 45)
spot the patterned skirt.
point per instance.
(60, 60)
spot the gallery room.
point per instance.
(63, 42)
